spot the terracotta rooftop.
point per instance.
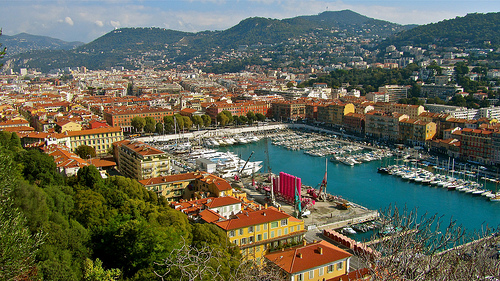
(306, 257)
(246, 219)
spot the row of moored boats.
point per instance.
(419, 175)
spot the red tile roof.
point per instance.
(304, 258)
(246, 219)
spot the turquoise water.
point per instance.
(363, 185)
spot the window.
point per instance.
(257, 227)
(250, 239)
(286, 231)
(243, 241)
(272, 234)
(274, 224)
(241, 231)
(311, 274)
(330, 268)
(291, 228)
(340, 266)
(265, 226)
(321, 271)
(250, 229)
(265, 236)
(259, 237)
(298, 227)
(231, 233)
(299, 277)
(279, 232)
(284, 222)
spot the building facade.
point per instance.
(383, 125)
(259, 232)
(139, 161)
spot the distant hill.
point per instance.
(472, 30)
(24, 42)
(122, 46)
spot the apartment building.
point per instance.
(314, 261)
(413, 111)
(416, 132)
(476, 145)
(383, 125)
(354, 122)
(395, 92)
(260, 232)
(236, 109)
(122, 116)
(288, 110)
(439, 119)
(140, 161)
(101, 139)
(334, 112)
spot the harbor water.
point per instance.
(362, 184)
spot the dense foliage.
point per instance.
(86, 219)
(473, 30)
(122, 46)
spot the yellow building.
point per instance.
(416, 132)
(260, 232)
(101, 139)
(64, 126)
(334, 112)
(140, 161)
(411, 110)
(315, 261)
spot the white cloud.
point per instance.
(99, 23)
(69, 21)
(115, 24)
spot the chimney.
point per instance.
(299, 255)
(320, 250)
(265, 206)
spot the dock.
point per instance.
(324, 214)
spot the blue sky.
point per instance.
(86, 20)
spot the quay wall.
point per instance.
(355, 219)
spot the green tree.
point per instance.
(93, 271)
(168, 122)
(179, 121)
(187, 122)
(150, 125)
(207, 120)
(38, 167)
(18, 246)
(222, 119)
(89, 176)
(159, 128)
(138, 123)
(251, 117)
(229, 116)
(85, 151)
(260, 117)
(197, 120)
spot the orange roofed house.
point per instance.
(260, 232)
(315, 261)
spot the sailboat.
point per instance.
(496, 198)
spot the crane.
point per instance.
(246, 162)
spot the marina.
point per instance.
(363, 185)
